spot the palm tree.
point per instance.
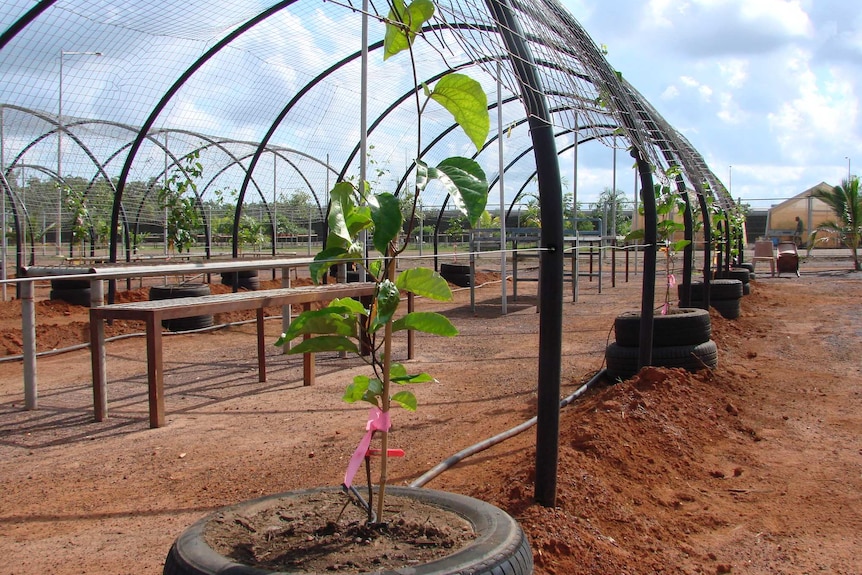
(846, 202)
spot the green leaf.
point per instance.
(356, 390)
(424, 282)
(398, 374)
(388, 299)
(680, 245)
(348, 303)
(465, 99)
(414, 378)
(421, 175)
(340, 208)
(357, 220)
(376, 268)
(427, 322)
(328, 321)
(387, 221)
(324, 259)
(635, 235)
(324, 343)
(466, 182)
(404, 23)
(363, 388)
(405, 399)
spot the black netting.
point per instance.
(268, 94)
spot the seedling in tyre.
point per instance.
(667, 203)
(348, 325)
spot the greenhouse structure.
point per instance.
(255, 109)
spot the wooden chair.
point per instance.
(763, 252)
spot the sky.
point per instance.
(768, 91)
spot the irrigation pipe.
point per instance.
(451, 461)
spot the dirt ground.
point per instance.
(754, 468)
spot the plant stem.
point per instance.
(385, 403)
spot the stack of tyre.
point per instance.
(245, 279)
(183, 291)
(74, 291)
(681, 338)
(743, 274)
(724, 296)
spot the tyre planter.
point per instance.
(746, 265)
(247, 279)
(74, 296)
(75, 292)
(500, 546)
(740, 274)
(718, 290)
(458, 274)
(682, 326)
(727, 308)
(622, 362)
(181, 291)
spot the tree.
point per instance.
(610, 208)
(846, 203)
(178, 198)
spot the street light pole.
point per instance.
(730, 180)
(60, 130)
(848, 168)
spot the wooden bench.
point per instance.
(153, 312)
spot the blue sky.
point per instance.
(766, 90)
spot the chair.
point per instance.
(763, 253)
(788, 258)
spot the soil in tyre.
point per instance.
(501, 547)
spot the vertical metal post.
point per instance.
(501, 180)
(551, 257)
(28, 336)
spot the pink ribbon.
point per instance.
(671, 281)
(377, 421)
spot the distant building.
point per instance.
(781, 218)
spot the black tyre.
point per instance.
(181, 291)
(683, 326)
(740, 274)
(458, 274)
(718, 289)
(728, 308)
(58, 284)
(746, 265)
(500, 548)
(246, 279)
(746, 289)
(622, 362)
(79, 296)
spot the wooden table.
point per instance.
(153, 312)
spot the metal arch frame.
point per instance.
(311, 84)
(102, 164)
(162, 103)
(560, 152)
(23, 21)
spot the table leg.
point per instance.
(261, 347)
(307, 358)
(97, 358)
(155, 370)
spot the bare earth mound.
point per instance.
(753, 468)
